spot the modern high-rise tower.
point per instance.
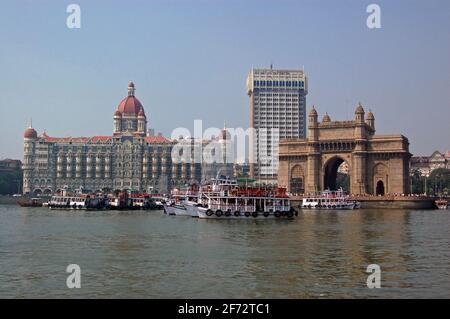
(277, 111)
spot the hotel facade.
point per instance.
(129, 159)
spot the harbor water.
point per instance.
(146, 254)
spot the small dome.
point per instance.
(326, 118)
(117, 113)
(30, 133)
(359, 109)
(313, 112)
(131, 84)
(370, 116)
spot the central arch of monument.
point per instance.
(330, 170)
(377, 164)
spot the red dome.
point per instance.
(30, 133)
(130, 106)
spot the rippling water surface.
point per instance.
(151, 255)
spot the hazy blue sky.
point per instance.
(189, 60)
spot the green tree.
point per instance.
(10, 182)
(417, 181)
(343, 180)
(438, 181)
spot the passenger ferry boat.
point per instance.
(330, 200)
(223, 198)
(142, 201)
(76, 202)
(132, 202)
(121, 201)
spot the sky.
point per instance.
(189, 60)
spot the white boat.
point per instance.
(223, 198)
(191, 207)
(169, 207)
(441, 204)
(185, 202)
(180, 210)
(185, 207)
(330, 200)
(75, 202)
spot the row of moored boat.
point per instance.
(223, 198)
(220, 198)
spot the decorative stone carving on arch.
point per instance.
(380, 169)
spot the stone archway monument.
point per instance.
(377, 164)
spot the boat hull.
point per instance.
(191, 209)
(169, 210)
(203, 214)
(180, 210)
(29, 205)
(65, 207)
(349, 206)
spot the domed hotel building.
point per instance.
(129, 159)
